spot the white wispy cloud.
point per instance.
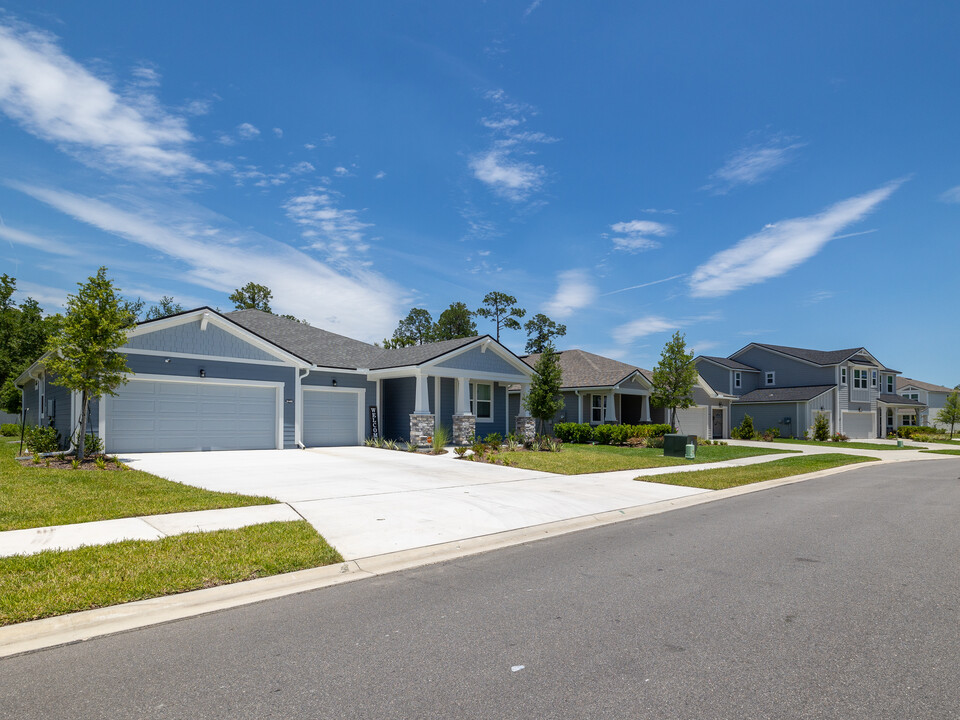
(278, 132)
(638, 235)
(643, 285)
(215, 254)
(753, 164)
(781, 246)
(505, 166)
(575, 290)
(531, 7)
(641, 327)
(336, 231)
(818, 297)
(951, 196)
(20, 237)
(380, 175)
(340, 171)
(246, 131)
(58, 100)
(50, 298)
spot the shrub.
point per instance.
(603, 434)
(839, 437)
(10, 429)
(655, 442)
(92, 445)
(100, 463)
(494, 438)
(909, 431)
(460, 451)
(573, 432)
(821, 428)
(772, 432)
(745, 430)
(42, 438)
(441, 437)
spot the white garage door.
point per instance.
(859, 425)
(692, 421)
(165, 416)
(332, 417)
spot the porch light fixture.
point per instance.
(203, 373)
(166, 360)
(334, 382)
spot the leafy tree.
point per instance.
(821, 427)
(503, 310)
(541, 331)
(455, 322)
(162, 309)
(8, 325)
(544, 399)
(674, 378)
(295, 319)
(252, 297)
(950, 412)
(84, 355)
(415, 329)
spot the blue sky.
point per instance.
(739, 171)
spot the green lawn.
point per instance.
(851, 445)
(54, 583)
(942, 452)
(578, 459)
(35, 496)
(722, 478)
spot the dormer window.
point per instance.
(737, 380)
(843, 376)
(890, 385)
(859, 379)
(770, 377)
(873, 378)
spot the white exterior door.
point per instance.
(332, 417)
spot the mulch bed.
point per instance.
(66, 463)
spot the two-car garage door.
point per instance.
(165, 416)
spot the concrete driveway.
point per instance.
(367, 501)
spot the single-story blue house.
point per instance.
(204, 380)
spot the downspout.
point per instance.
(298, 415)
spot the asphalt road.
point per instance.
(831, 598)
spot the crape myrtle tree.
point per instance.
(541, 331)
(83, 354)
(544, 399)
(503, 310)
(674, 378)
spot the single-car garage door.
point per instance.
(859, 424)
(332, 417)
(692, 421)
(169, 416)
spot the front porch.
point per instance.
(894, 412)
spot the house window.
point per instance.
(598, 408)
(908, 419)
(913, 396)
(736, 380)
(481, 400)
(843, 376)
(890, 384)
(770, 377)
(860, 379)
(873, 378)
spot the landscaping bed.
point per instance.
(54, 583)
(37, 496)
(722, 478)
(580, 459)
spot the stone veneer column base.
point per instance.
(526, 427)
(421, 429)
(464, 428)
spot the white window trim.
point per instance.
(737, 379)
(860, 375)
(843, 376)
(891, 390)
(473, 402)
(873, 378)
(602, 409)
(769, 377)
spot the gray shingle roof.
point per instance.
(789, 394)
(818, 357)
(903, 382)
(727, 362)
(899, 400)
(584, 369)
(328, 349)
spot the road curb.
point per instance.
(76, 627)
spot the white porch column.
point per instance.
(523, 412)
(462, 392)
(646, 408)
(422, 406)
(611, 414)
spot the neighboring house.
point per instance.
(251, 380)
(600, 390)
(785, 387)
(934, 397)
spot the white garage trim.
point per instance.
(361, 394)
(277, 387)
(851, 415)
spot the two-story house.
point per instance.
(934, 397)
(785, 387)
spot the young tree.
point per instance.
(950, 412)
(83, 355)
(503, 310)
(165, 307)
(674, 378)
(455, 322)
(541, 331)
(415, 329)
(544, 399)
(252, 297)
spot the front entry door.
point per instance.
(718, 423)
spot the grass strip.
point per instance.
(54, 583)
(723, 478)
(942, 452)
(844, 444)
(35, 496)
(579, 459)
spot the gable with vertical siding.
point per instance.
(477, 359)
(188, 338)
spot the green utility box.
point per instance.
(675, 445)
